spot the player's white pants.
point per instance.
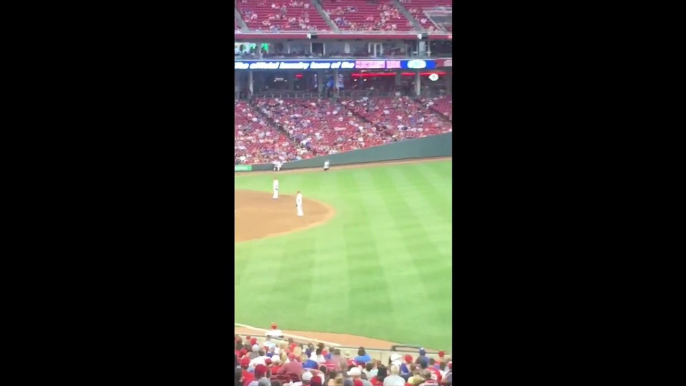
(300, 211)
(276, 193)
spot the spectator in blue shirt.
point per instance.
(406, 368)
(422, 359)
(362, 357)
(311, 363)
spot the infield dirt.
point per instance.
(259, 216)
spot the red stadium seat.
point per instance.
(260, 15)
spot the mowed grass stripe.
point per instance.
(434, 194)
(331, 291)
(432, 209)
(427, 260)
(399, 276)
(429, 271)
(368, 295)
(416, 240)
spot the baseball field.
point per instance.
(372, 256)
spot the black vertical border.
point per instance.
(145, 249)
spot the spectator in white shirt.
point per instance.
(394, 379)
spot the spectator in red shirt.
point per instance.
(330, 365)
(339, 360)
(293, 367)
(259, 373)
(275, 364)
(244, 362)
(437, 374)
(247, 376)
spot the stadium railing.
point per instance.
(380, 354)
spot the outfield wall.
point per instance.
(428, 147)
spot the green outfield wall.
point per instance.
(434, 146)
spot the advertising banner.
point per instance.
(243, 168)
(332, 64)
(445, 63)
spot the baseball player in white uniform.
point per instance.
(274, 332)
(326, 165)
(275, 186)
(299, 203)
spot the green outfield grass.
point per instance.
(380, 268)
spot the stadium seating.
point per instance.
(256, 141)
(363, 15)
(285, 15)
(322, 127)
(416, 8)
(402, 117)
(311, 127)
(348, 15)
(442, 105)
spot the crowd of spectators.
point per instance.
(256, 141)
(284, 363)
(320, 126)
(442, 105)
(402, 117)
(285, 130)
(416, 9)
(281, 16)
(353, 17)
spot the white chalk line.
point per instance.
(292, 336)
